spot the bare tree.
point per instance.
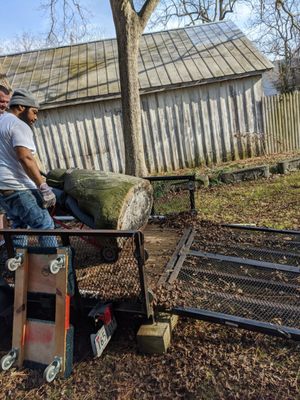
(192, 12)
(68, 20)
(275, 26)
(276, 30)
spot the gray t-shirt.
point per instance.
(14, 132)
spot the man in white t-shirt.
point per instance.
(4, 101)
(24, 195)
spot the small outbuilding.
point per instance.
(201, 92)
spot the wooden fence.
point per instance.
(281, 118)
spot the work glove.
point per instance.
(48, 196)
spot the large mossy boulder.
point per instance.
(114, 201)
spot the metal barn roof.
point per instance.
(174, 58)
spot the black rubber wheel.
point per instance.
(7, 362)
(50, 373)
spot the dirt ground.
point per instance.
(205, 361)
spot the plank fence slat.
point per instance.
(281, 117)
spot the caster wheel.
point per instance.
(109, 254)
(50, 373)
(13, 264)
(7, 361)
(54, 267)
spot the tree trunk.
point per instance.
(110, 200)
(129, 26)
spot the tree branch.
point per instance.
(146, 12)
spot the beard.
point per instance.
(24, 117)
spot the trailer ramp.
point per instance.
(251, 281)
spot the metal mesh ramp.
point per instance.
(241, 290)
(241, 284)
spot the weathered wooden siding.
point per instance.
(281, 115)
(181, 128)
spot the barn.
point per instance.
(201, 96)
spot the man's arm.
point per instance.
(31, 168)
(29, 164)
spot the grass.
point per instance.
(274, 202)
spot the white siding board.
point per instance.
(197, 129)
(224, 131)
(164, 134)
(147, 136)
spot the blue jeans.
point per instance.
(24, 209)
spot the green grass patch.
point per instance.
(274, 202)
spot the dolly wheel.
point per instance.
(51, 371)
(109, 254)
(56, 265)
(14, 263)
(7, 361)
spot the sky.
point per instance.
(26, 16)
(19, 16)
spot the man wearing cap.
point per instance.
(24, 195)
(4, 100)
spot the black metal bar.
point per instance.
(170, 178)
(238, 322)
(174, 258)
(192, 194)
(261, 229)
(255, 249)
(182, 256)
(69, 232)
(140, 256)
(245, 261)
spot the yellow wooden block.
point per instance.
(154, 338)
(171, 319)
